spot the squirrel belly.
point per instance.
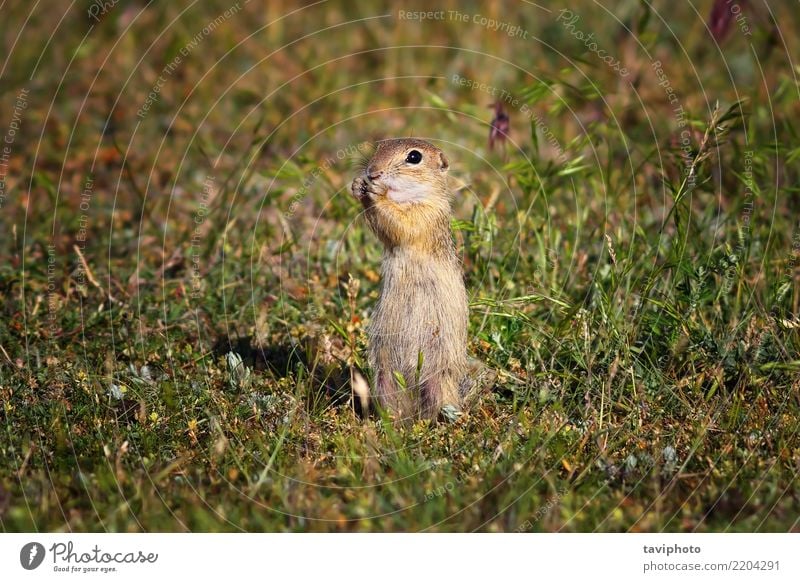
(415, 334)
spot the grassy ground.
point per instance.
(176, 189)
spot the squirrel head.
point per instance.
(410, 170)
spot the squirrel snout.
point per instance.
(373, 175)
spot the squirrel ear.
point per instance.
(444, 164)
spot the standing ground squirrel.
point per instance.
(418, 332)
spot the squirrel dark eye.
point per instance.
(413, 157)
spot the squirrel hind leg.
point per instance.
(437, 393)
(392, 398)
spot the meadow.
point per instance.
(185, 279)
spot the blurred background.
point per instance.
(175, 189)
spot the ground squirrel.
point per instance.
(418, 332)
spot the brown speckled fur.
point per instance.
(423, 303)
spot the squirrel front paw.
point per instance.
(364, 189)
(359, 187)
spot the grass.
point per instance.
(632, 270)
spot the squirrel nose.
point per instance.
(373, 175)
